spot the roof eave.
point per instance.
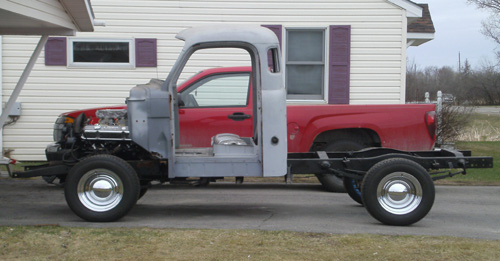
(36, 31)
(80, 11)
(412, 10)
(417, 39)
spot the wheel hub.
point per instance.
(100, 190)
(399, 193)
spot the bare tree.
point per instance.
(415, 90)
(493, 5)
(454, 120)
(491, 26)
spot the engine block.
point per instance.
(112, 126)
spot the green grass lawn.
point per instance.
(61, 243)
(482, 127)
(483, 177)
(482, 137)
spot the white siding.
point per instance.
(377, 59)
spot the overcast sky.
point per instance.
(458, 28)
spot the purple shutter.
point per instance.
(145, 52)
(277, 30)
(55, 51)
(340, 64)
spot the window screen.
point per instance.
(101, 52)
(305, 63)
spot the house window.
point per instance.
(305, 64)
(116, 53)
(107, 53)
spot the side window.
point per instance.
(225, 90)
(273, 60)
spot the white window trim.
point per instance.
(324, 100)
(72, 64)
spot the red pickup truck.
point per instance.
(219, 100)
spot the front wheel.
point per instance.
(102, 188)
(398, 192)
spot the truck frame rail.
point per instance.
(355, 164)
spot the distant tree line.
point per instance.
(468, 86)
(479, 86)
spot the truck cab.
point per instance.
(153, 111)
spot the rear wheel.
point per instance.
(331, 182)
(398, 192)
(353, 188)
(102, 188)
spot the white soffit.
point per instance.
(39, 19)
(416, 39)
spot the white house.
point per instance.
(41, 19)
(355, 54)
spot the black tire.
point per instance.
(398, 192)
(145, 185)
(331, 182)
(101, 188)
(142, 192)
(353, 188)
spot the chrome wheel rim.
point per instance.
(100, 190)
(399, 193)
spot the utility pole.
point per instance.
(459, 63)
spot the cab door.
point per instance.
(218, 103)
